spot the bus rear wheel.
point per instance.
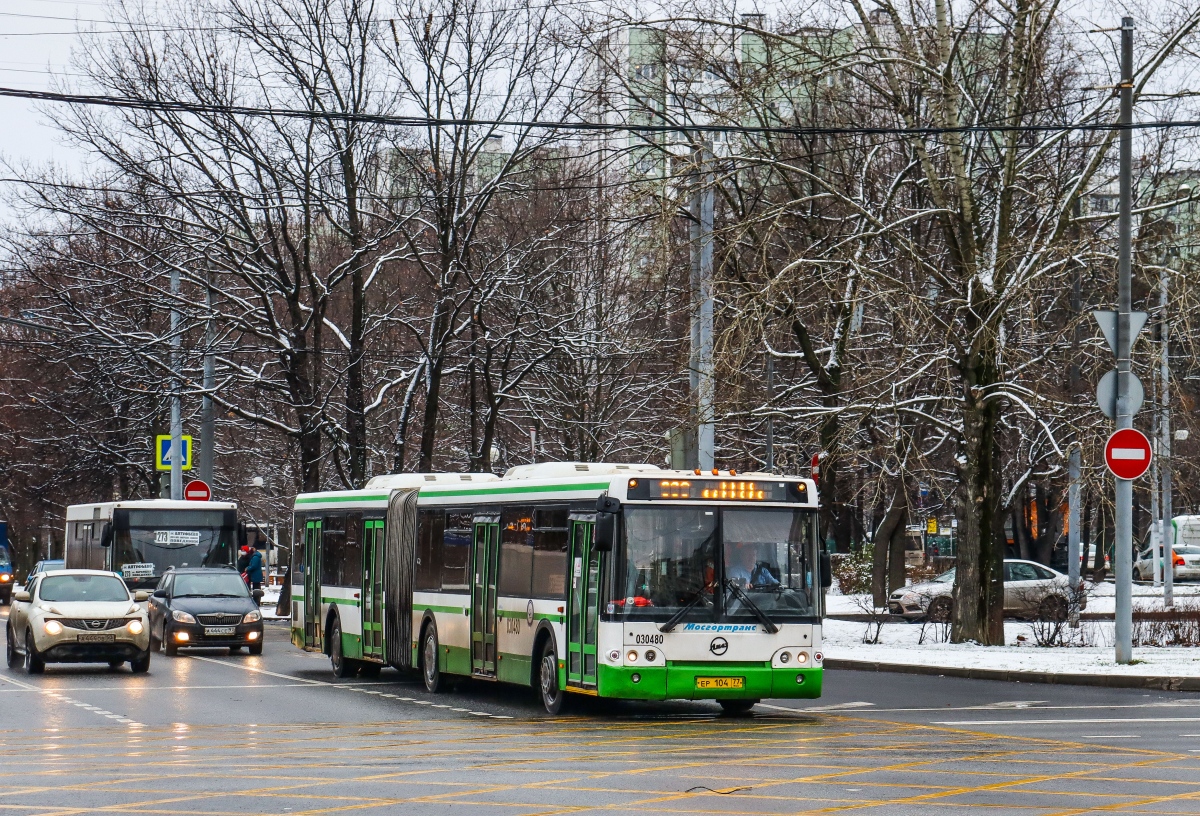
(737, 707)
(553, 696)
(430, 671)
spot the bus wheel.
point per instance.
(737, 707)
(430, 670)
(342, 665)
(553, 697)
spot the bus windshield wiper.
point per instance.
(753, 607)
(683, 610)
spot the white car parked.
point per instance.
(1030, 590)
(78, 616)
(1187, 564)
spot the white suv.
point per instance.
(78, 616)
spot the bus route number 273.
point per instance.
(648, 640)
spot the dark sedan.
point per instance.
(204, 607)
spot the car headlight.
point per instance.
(252, 617)
(182, 617)
(53, 627)
(135, 627)
(5, 578)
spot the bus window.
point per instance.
(431, 526)
(516, 551)
(333, 529)
(550, 553)
(456, 549)
(352, 572)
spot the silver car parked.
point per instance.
(1030, 590)
(1187, 564)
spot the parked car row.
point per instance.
(1030, 590)
(90, 616)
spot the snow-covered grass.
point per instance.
(898, 645)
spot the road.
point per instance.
(210, 733)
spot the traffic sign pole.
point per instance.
(1123, 554)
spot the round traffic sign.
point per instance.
(197, 490)
(1127, 453)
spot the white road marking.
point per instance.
(1068, 722)
(1110, 736)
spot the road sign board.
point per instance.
(1108, 326)
(162, 452)
(197, 490)
(1127, 453)
(1106, 394)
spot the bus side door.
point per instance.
(583, 606)
(313, 625)
(484, 563)
(372, 589)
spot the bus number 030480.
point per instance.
(512, 626)
(648, 640)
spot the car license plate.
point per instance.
(97, 638)
(720, 682)
(216, 631)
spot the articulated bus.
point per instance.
(621, 581)
(143, 538)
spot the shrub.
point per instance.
(852, 570)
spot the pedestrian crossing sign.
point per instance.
(163, 453)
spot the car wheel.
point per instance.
(34, 664)
(14, 657)
(431, 673)
(170, 647)
(941, 609)
(342, 666)
(737, 707)
(256, 649)
(553, 696)
(141, 664)
(1053, 608)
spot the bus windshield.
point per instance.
(156, 540)
(721, 562)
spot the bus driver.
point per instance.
(746, 571)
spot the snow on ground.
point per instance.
(1101, 599)
(898, 644)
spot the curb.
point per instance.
(1156, 682)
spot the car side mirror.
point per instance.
(826, 571)
(159, 593)
(141, 596)
(21, 595)
(106, 536)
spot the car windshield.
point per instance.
(701, 561)
(1187, 550)
(219, 582)
(946, 577)
(68, 588)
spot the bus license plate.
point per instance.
(217, 631)
(720, 682)
(97, 638)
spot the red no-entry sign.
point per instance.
(1127, 453)
(197, 491)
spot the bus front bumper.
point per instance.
(708, 682)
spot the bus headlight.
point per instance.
(182, 617)
(784, 657)
(650, 655)
(801, 657)
(252, 617)
(53, 627)
(135, 627)
(632, 656)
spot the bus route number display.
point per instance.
(717, 490)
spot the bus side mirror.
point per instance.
(826, 571)
(106, 535)
(605, 532)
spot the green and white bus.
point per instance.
(610, 580)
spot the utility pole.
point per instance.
(1123, 551)
(208, 436)
(1073, 468)
(1168, 528)
(176, 395)
(770, 418)
(703, 387)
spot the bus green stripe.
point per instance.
(338, 499)
(524, 615)
(500, 490)
(451, 610)
(340, 601)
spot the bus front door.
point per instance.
(312, 585)
(372, 589)
(583, 606)
(484, 562)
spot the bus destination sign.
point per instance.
(717, 490)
